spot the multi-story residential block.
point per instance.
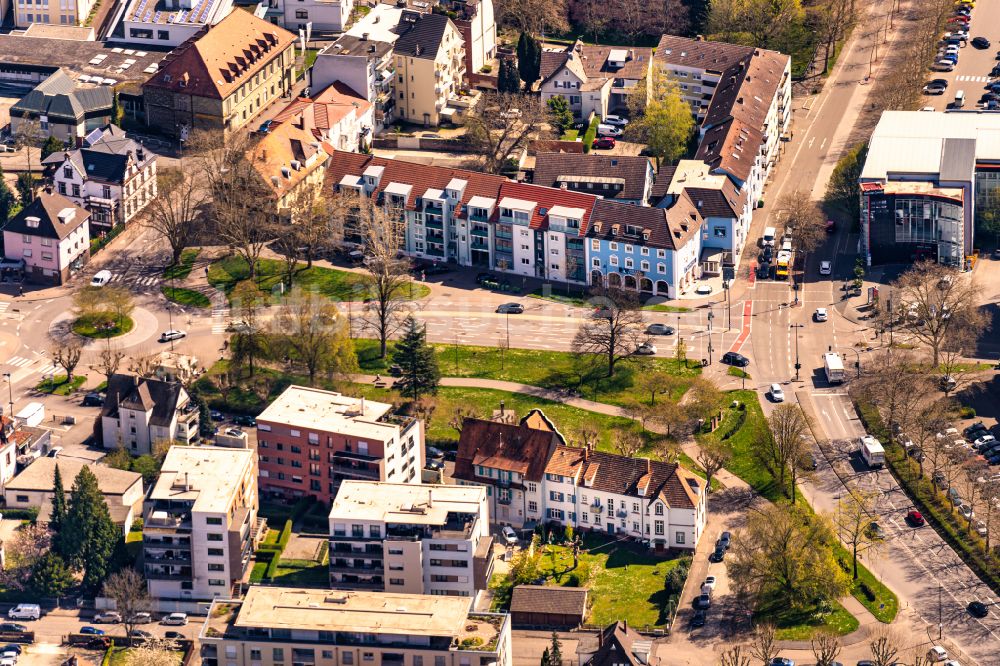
(309, 440)
(726, 210)
(697, 66)
(324, 15)
(337, 116)
(594, 79)
(62, 108)
(430, 65)
(364, 65)
(474, 20)
(624, 178)
(34, 488)
(140, 412)
(928, 180)
(290, 160)
(415, 539)
(110, 175)
(272, 626)
(160, 23)
(533, 476)
(65, 12)
(50, 237)
(220, 79)
(200, 524)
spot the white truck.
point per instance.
(872, 452)
(834, 367)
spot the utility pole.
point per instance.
(711, 316)
(10, 393)
(729, 308)
(797, 364)
(940, 611)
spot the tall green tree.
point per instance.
(7, 200)
(89, 536)
(58, 518)
(417, 360)
(529, 59)
(508, 80)
(50, 576)
(560, 114)
(26, 187)
(842, 191)
(660, 118)
(51, 145)
(555, 651)
(117, 112)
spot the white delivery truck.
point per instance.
(768, 238)
(834, 367)
(872, 452)
(32, 414)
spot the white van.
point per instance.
(960, 99)
(25, 612)
(768, 237)
(100, 278)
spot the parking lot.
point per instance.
(972, 72)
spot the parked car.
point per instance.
(265, 126)
(141, 635)
(142, 617)
(244, 420)
(782, 661)
(173, 635)
(717, 555)
(703, 289)
(434, 452)
(659, 329)
(724, 540)
(25, 612)
(100, 278)
(91, 631)
(981, 42)
(509, 535)
(93, 400)
(175, 620)
(970, 431)
(978, 609)
(699, 618)
(943, 66)
(703, 601)
(733, 358)
(434, 465)
(777, 395)
(981, 442)
(604, 143)
(966, 511)
(608, 130)
(511, 308)
(107, 617)
(937, 653)
(172, 334)
(820, 314)
(915, 518)
(645, 349)
(709, 583)
(617, 121)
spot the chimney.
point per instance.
(586, 453)
(430, 499)
(649, 466)
(187, 485)
(364, 36)
(140, 154)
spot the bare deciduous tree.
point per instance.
(249, 341)
(853, 519)
(614, 331)
(628, 442)
(67, 356)
(884, 645)
(763, 645)
(737, 655)
(462, 412)
(144, 363)
(533, 16)
(825, 648)
(895, 383)
(782, 452)
(127, 589)
(501, 125)
(712, 457)
(153, 653)
(109, 359)
(172, 214)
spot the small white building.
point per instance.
(139, 412)
(51, 235)
(325, 15)
(162, 23)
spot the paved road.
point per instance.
(974, 65)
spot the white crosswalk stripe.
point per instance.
(4, 305)
(19, 361)
(116, 277)
(220, 312)
(966, 77)
(52, 369)
(147, 281)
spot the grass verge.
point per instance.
(59, 386)
(738, 372)
(660, 307)
(102, 325)
(182, 268)
(188, 297)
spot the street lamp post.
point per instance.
(10, 393)
(729, 309)
(797, 364)
(711, 316)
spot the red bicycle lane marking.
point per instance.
(745, 331)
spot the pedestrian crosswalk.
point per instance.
(3, 306)
(19, 361)
(139, 281)
(220, 319)
(974, 79)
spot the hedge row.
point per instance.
(932, 503)
(31, 513)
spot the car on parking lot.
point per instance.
(820, 314)
(659, 329)
(107, 617)
(172, 334)
(141, 635)
(703, 289)
(966, 511)
(825, 267)
(175, 620)
(937, 653)
(725, 539)
(91, 631)
(717, 555)
(244, 420)
(434, 465)
(93, 399)
(12, 647)
(434, 452)
(782, 661)
(173, 635)
(915, 518)
(645, 349)
(699, 618)
(509, 535)
(970, 431)
(777, 395)
(981, 442)
(617, 121)
(980, 42)
(733, 358)
(604, 143)
(703, 601)
(978, 609)
(510, 308)
(935, 89)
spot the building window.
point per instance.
(346, 657)
(720, 232)
(661, 268)
(213, 521)
(679, 537)
(532, 488)
(301, 14)
(218, 552)
(659, 528)
(661, 254)
(613, 246)
(533, 507)
(644, 251)
(214, 537)
(397, 581)
(278, 654)
(216, 582)
(215, 566)
(658, 509)
(644, 266)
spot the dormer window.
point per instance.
(67, 171)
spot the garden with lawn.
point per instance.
(334, 284)
(183, 267)
(58, 385)
(101, 325)
(184, 296)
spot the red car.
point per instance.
(604, 142)
(915, 518)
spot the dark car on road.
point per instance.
(738, 360)
(659, 329)
(91, 631)
(510, 308)
(244, 420)
(12, 627)
(981, 42)
(699, 618)
(718, 554)
(978, 609)
(93, 400)
(703, 601)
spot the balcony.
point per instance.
(368, 569)
(480, 244)
(356, 472)
(434, 223)
(504, 499)
(165, 573)
(482, 232)
(167, 557)
(100, 201)
(434, 251)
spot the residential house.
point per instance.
(281, 625)
(62, 108)
(726, 210)
(548, 606)
(221, 78)
(309, 440)
(110, 175)
(697, 66)
(200, 525)
(33, 488)
(509, 460)
(169, 23)
(624, 178)
(430, 65)
(337, 116)
(594, 79)
(363, 65)
(290, 161)
(51, 236)
(139, 412)
(620, 645)
(324, 15)
(410, 538)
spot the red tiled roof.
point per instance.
(515, 448)
(548, 197)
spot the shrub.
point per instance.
(967, 412)
(31, 513)
(286, 534)
(867, 591)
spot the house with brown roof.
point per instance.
(594, 79)
(140, 412)
(290, 160)
(220, 79)
(620, 645)
(50, 237)
(337, 115)
(548, 606)
(624, 178)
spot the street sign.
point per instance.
(728, 273)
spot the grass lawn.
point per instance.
(626, 581)
(119, 655)
(337, 285)
(795, 624)
(570, 135)
(548, 369)
(182, 268)
(738, 372)
(660, 307)
(302, 573)
(183, 296)
(102, 325)
(885, 605)
(59, 386)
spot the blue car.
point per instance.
(91, 631)
(265, 126)
(950, 57)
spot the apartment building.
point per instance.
(200, 524)
(110, 175)
(475, 21)
(275, 626)
(414, 539)
(624, 178)
(169, 23)
(63, 108)
(594, 79)
(50, 237)
(697, 66)
(221, 78)
(364, 65)
(430, 65)
(535, 477)
(324, 15)
(337, 116)
(310, 440)
(51, 12)
(290, 160)
(140, 412)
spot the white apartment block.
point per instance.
(200, 525)
(325, 15)
(140, 412)
(414, 539)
